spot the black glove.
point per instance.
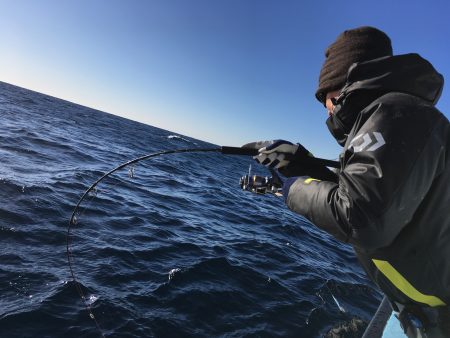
(276, 154)
(291, 160)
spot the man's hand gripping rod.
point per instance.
(252, 149)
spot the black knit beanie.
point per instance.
(354, 45)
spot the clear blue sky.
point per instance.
(228, 72)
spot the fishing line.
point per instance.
(75, 215)
(250, 149)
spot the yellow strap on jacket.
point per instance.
(404, 286)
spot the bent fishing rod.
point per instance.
(250, 149)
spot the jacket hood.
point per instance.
(366, 81)
(408, 73)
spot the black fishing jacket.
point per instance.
(391, 197)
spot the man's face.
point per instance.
(329, 101)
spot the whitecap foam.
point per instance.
(91, 299)
(178, 137)
(172, 273)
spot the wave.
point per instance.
(177, 249)
(180, 138)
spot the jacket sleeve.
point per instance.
(387, 169)
(298, 168)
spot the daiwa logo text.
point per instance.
(367, 142)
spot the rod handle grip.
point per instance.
(253, 152)
(239, 151)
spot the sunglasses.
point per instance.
(324, 101)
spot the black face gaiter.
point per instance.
(341, 122)
(346, 112)
(337, 129)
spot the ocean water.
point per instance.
(168, 247)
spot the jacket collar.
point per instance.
(366, 81)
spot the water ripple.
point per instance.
(174, 250)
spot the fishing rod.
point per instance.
(250, 149)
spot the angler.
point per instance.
(390, 197)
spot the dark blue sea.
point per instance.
(167, 247)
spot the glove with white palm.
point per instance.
(290, 159)
(276, 154)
